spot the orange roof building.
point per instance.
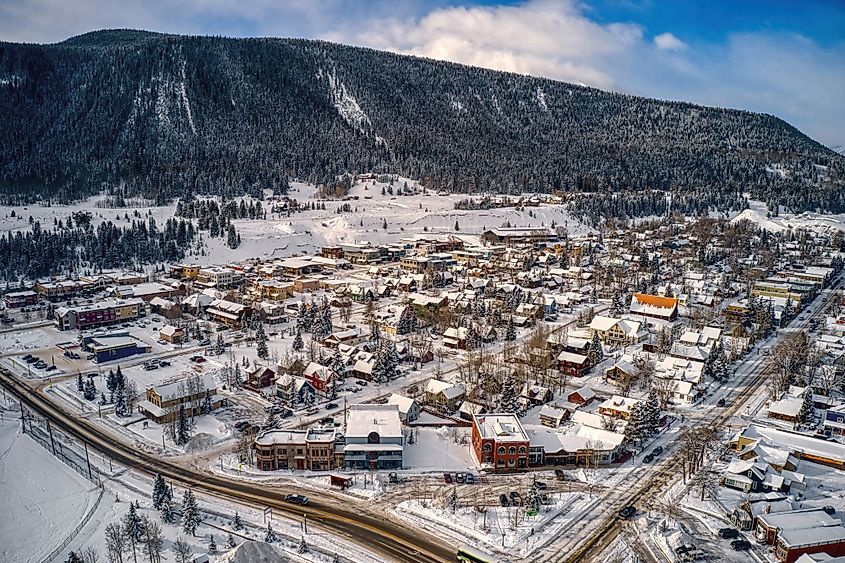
(654, 306)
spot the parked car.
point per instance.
(297, 499)
(682, 549)
(829, 509)
(657, 451)
(539, 485)
(25, 357)
(50, 368)
(331, 406)
(150, 366)
(361, 382)
(164, 363)
(648, 459)
(728, 533)
(460, 477)
(720, 402)
(560, 475)
(741, 545)
(197, 359)
(312, 411)
(503, 500)
(469, 479)
(627, 512)
(515, 498)
(392, 477)
(447, 478)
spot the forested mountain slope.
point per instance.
(138, 112)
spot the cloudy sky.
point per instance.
(785, 57)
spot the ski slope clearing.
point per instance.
(816, 222)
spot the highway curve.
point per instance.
(388, 539)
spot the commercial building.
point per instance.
(227, 313)
(315, 449)
(196, 394)
(374, 437)
(103, 313)
(112, 347)
(499, 442)
(18, 299)
(218, 277)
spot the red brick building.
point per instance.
(499, 442)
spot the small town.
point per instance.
(510, 388)
(422, 281)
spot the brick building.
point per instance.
(499, 442)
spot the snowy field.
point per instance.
(43, 500)
(306, 232)
(816, 222)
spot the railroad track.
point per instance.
(379, 535)
(654, 482)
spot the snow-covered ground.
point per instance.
(43, 500)
(757, 212)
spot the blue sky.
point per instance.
(777, 56)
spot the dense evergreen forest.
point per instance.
(138, 113)
(76, 246)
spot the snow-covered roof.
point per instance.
(361, 420)
(404, 403)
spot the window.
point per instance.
(522, 449)
(511, 450)
(501, 450)
(373, 438)
(487, 447)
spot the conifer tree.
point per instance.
(190, 513)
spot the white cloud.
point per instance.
(668, 42)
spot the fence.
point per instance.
(65, 448)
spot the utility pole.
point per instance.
(23, 419)
(88, 461)
(50, 431)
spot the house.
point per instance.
(409, 409)
(456, 338)
(499, 442)
(653, 306)
(443, 395)
(612, 331)
(195, 394)
(786, 409)
(469, 408)
(167, 308)
(363, 369)
(573, 364)
(227, 313)
(533, 394)
(350, 336)
(261, 379)
(618, 406)
(374, 438)
(582, 396)
(313, 449)
(322, 378)
(552, 416)
(295, 390)
(172, 334)
(756, 476)
(768, 527)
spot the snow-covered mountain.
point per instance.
(163, 114)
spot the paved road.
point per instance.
(388, 539)
(594, 531)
